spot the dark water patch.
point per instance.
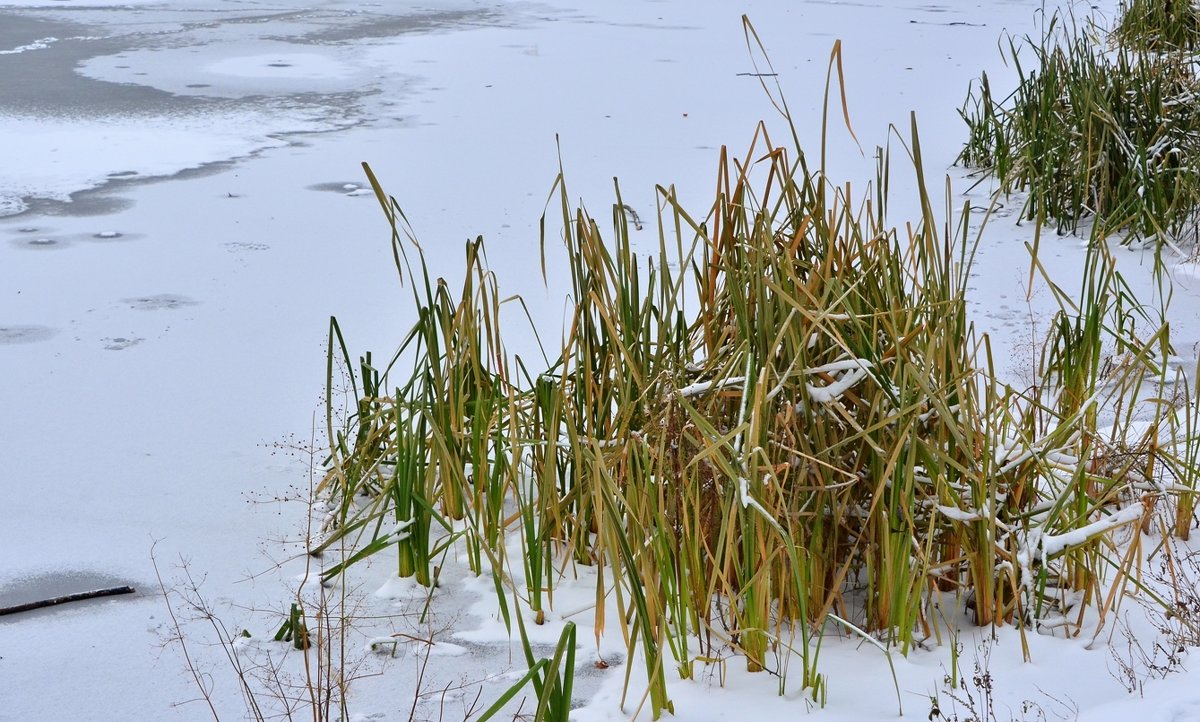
(104, 201)
(82, 204)
(45, 81)
(19, 30)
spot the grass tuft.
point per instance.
(1091, 131)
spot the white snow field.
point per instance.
(180, 216)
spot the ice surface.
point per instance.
(60, 157)
(152, 97)
(165, 386)
(253, 68)
(41, 44)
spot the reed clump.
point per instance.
(1161, 25)
(1094, 131)
(780, 425)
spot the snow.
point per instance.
(703, 387)
(960, 515)
(162, 388)
(1052, 544)
(41, 44)
(853, 371)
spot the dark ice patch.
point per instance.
(120, 343)
(245, 247)
(48, 585)
(41, 243)
(335, 187)
(161, 302)
(25, 334)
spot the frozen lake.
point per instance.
(97, 94)
(180, 216)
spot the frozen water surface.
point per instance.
(146, 90)
(24, 334)
(161, 389)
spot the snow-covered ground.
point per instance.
(179, 221)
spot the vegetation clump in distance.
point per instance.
(1097, 130)
(1163, 25)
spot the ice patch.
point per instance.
(309, 66)
(334, 187)
(11, 205)
(161, 302)
(41, 244)
(120, 343)
(24, 334)
(391, 644)
(262, 67)
(61, 156)
(245, 247)
(80, 4)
